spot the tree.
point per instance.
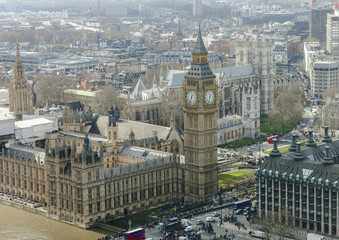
(287, 108)
(108, 97)
(172, 108)
(331, 93)
(49, 88)
(272, 226)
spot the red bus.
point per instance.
(270, 139)
(135, 234)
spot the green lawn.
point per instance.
(284, 148)
(232, 177)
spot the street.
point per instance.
(239, 233)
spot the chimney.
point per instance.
(327, 159)
(275, 152)
(310, 141)
(293, 147)
(326, 138)
(298, 155)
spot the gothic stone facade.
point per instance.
(81, 190)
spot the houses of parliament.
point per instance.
(83, 176)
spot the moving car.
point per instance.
(215, 214)
(258, 234)
(199, 222)
(188, 229)
(210, 219)
(237, 212)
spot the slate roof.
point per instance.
(143, 153)
(85, 117)
(235, 71)
(175, 78)
(200, 71)
(312, 167)
(152, 160)
(75, 106)
(100, 126)
(199, 46)
(170, 74)
(92, 137)
(27, 153)
(141, 130)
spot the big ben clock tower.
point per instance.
(200, 122)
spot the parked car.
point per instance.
(210, 219)
(188, 229)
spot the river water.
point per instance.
(18, 224)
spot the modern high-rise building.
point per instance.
(332, 33)
(197, 7)
(20, 94)
(200, 120)
(318, 22)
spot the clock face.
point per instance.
(191, 97)
(209, 97)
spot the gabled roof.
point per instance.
(141, 130)
(137, 92)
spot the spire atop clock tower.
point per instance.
(199, 47)
(200, 122)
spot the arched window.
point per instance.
(260, 57)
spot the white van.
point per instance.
(258, 234)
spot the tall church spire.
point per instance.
(20, 94)
(17, 52)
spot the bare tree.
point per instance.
(272, 227)
(331, 92)
(49, 88)
(108, 97)
(172, 108)
(287, 107)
